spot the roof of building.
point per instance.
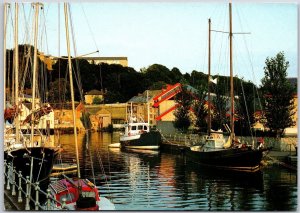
(142, 98)
(94, 92)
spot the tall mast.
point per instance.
(6, 5)
(34, 67)
(208, 96)
(16, 71)
(231, 76)
(71, 85)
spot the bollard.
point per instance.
(63, 203)
(4, 170)
(8, 185)
(13, 192)
(48, 199)
(20, 200)
(37, 188)
(27, 207)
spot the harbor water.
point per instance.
(153, 180)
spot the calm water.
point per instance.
(162, 181)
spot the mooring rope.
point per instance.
(274, 160)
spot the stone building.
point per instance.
(108, 60)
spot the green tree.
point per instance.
(278, 92)
(97, 100)
(219, 108)
(245, 106)
(200, 110)
(182, 117)
(59, 91)
(175, 75)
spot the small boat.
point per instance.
(217, 153)
(114, 145)
(138, 135)
(79, 194)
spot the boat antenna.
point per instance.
(71, 86)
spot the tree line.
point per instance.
(274, 97)
(274, 100)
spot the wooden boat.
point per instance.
(230, 154)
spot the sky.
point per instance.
(174, 34)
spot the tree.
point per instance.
(219, 108)
(278, 92)
(182, 117)
(245, 107)
(97, 100)
(200, 110)
(59, 91)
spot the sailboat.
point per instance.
(77, 193)
(29, 154)
(138, 134)
(221, 154)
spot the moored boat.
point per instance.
(139, 135)
(32, 154)
(215, 152)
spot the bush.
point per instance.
(97, 100)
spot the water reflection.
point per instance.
(152, 180)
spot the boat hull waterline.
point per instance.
(43, 160)
(239, 159)
(148, 140)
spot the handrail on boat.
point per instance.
(10, 175)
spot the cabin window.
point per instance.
(133, 128)
(145, 127)
(140, 127)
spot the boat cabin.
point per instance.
(136, 128)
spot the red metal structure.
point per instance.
(167, 93)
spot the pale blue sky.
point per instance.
(175, 34)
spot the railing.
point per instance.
(10, 176)
(183, 139)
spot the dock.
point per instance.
(11, 202)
